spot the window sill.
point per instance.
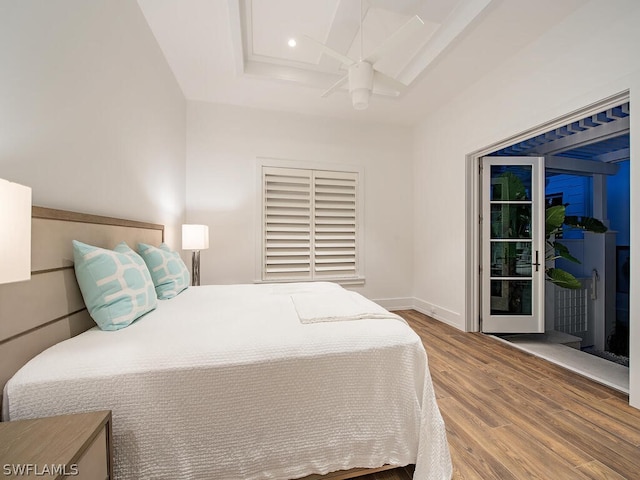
(339, 281)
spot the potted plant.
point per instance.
(555, 218)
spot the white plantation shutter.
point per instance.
(334, 224)
(309, 224)
(287, 223)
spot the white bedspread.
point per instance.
(225, 382)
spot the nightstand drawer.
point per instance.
(93, 464)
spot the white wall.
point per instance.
(223, 143)
(91, 116)
(568, 68)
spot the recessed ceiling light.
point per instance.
(292, 42)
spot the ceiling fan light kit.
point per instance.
(360, 84)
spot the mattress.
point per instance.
(225, 382)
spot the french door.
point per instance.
(513, 244)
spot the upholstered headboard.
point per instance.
(49, 308)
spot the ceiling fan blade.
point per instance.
(329, 51)
(391, 86)
(335, 86)
(414, 24)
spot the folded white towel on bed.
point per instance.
(337, 306)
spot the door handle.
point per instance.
(537, 264)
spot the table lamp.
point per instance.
(196, 238)
(15, 232)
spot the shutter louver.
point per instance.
(335, 224)
(287, 224)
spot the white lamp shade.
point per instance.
(15, 232)
(195, 237)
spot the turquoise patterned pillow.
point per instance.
(115, 284)
(169, 273)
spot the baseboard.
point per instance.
(434, 311)
(392, 304)
(439, 313)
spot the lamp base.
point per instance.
(195, 268)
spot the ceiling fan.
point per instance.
(362, 76)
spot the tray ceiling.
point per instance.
(236, 52)
(266, 26)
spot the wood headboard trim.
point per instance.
(42, 325)
(53, 214)
(68, 216)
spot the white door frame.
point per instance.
(473, 200)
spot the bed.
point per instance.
(235, 382)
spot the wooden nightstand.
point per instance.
(74, 446)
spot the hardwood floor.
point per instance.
(510, 415)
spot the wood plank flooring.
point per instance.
(511, 415)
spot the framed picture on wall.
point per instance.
(622, 269)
